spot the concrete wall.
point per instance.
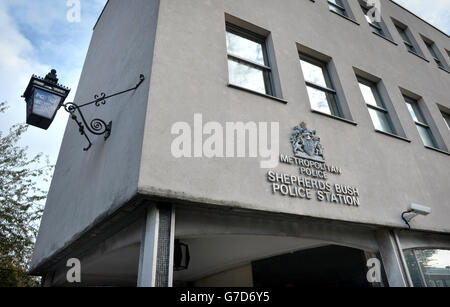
(187, 60)
(88, 186)
(190, 75)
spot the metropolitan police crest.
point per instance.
(306, 144)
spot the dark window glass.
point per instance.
(434, 54)
(406, 40)
(337, 6)
(329, 266)
(447, 119)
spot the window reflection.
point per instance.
(313, 73)
(246, 76)
(247, 61)
(380, 120)
(337, 6)
(429, 268)
(369, 96)
(378, 112)
(422, 126)
(412, 112)
(245, 48)
(319, 101)
(425, 134)
(319, 86)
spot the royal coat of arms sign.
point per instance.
(306, 144)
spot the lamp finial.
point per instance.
(51, 77)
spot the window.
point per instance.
(428, 268)
(378, 112)
(434, 53)
(406, 39)
(422, 126)
(446, 118)
(376, 26)
(318, 83)
(248, 62)
(337, 6)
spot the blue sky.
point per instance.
(36, 36)
(436, 12)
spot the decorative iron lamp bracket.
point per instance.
(97, 126)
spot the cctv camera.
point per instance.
(419, 209)
(415, 210)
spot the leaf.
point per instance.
(21, 205)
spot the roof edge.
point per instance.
(392, 1)
(101, 14)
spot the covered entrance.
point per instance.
(246, 261)
(234, 249)
(329, 266)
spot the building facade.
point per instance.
(358, 106)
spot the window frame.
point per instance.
(446, 118)
(375, 25)
(266, 69)
(417, 270)
(430, 46)
(406, 39)
(340, 7)
(329, 89)
(373, 86)
(413, 102)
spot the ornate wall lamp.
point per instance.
(44, 97)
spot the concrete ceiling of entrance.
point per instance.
(212, 255)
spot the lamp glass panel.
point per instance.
(45, 104)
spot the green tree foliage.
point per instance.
(425, 257)
(21, 201)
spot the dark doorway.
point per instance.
(330, 266)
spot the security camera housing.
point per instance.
(419, 209)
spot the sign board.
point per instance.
(312, 179)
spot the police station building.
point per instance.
(272, 144)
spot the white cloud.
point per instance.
(436, 12)
(17, 63)
(35, 37)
